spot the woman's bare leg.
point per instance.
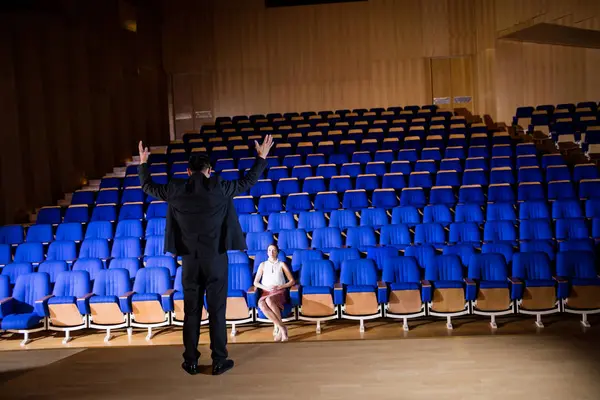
(272, 316)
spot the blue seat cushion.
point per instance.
(236, 293)
(539, 283)
(405, 286)
(178, 296)
(104, 299)
(62, 300)
(448, 284)
(493, 285)
(146, 297)
(585, 282)
(360, 288)
(21, 321)
(316, 290)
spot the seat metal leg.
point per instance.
(108, 336)
(25, 340)
(449, 323)
(149, 335)
(67, 337)
(493, 324)
(233, 330)
(405, 325)
(538, 321)
(318, 330)
(584, 321)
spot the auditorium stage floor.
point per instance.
(304, 331)
(524, 366)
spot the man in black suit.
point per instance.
(202, 225)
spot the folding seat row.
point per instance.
(102, 212)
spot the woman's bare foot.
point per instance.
(284, 333)
(278, 336)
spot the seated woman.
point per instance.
(271, 279)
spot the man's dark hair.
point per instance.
(199, 162)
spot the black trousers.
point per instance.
(204, 274)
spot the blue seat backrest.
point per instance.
(112, 282)
(239, 277)
(317, 273)
(99, 230)
(444, 268)
(53, 268)
(463, 250)
(126, 248)
(162, 261)
(487, 267)
(131, 265)
(94, 248)
(5, 254)
(13, 271)
(72, 283)
(339, 255)
(301, 256)
(576, 264)
(11, 234)
(152, 280)
(69, 231)
(178, 286)
(358, 272)
(380, 254)
(4, 287)
(401, 269)
(155, 246)
(91, 265)
(424, 254)
(30, 252)
(28, 289)
(41, 233)
(534, 265)
(237, 257)
(327, 238)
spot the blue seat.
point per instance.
(592, 208)
(531, 192)
(543, 246)
(99, 230)
(464, 232)
(413, 197)
(501, 162)
(386, 156)
(468, 213)
(499, 231)
(501, 193)
(488, 288)
(359, 291)
(534, 210)
(385, 198)
(299, 257)
(258, 241)
(501, 212)
(361, 157)
(90, 265)
(40, 233)
(478, 163)
(340, 183)
(471, 194)
(132, 195)
(151, 302)
(502, 150)
(326, 201)
(403, 295)
(314, 160)
(326, 239)
(287, 186)
(444, 291)
(110, 183)
(585, 171)
(360, 237)
(576, 245)
(354, 200)
(316, 295)
(526, 149)
(558, 173)
(94, 248)
(49, 216)
(85, 197)
(108, 196)
(280, 221)
(530, 174)
(463, 250)
(240, 302)
(505, 249)
(24, 311)
(551, 160)
(167, 262)
(268, 204)
(455, 152)
(314, 185)
(62, 250)
(78, 214)
(393, 180)
(244, 204)
(13, 271)
(154, 246)
(104, 213)
(420, 180)
(277, 173)
(5, 254)
(478, 151)
(408, 215)
(156, 227)
(298, 202)
(251, 223)
(351, 169)
(292, 161)
(292, 239)
(237, 257)
(11, 234)
(395, 235)
(29, 253)
(502, 175)
(559, 190)
(126, 248)
(442, 195)
(107, 309)
(566, 209)
(474, 177)
(426, 165)
(578, 283)
(571, 228)
(374, 217)
(157, 209)
(535, 229)
(69, 231)
(402, 167)
(430, 233)
(527, 161)
(309, 221)
(451, 164)
(261, 188)
(129, 228)
(589, 189)
(437, 213)
(533, 286)
(368, 182)
(132, 211)
(448, 178)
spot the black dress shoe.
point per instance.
(221, 367)
(191, 369)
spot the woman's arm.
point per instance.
(258, 277)
(288, 274)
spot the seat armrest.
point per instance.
(382, 292)
(6, 306)
(41, 306)
(426, 291)
(471, 293)
(563, 286)
(515, 281)
(338, 293)
(83, 304)
(470, 281)
(252, 297)
(167, 300)
(517, 288)
(560, 279)
(295, 295)
(125, 302)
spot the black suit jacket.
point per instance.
(201, 218)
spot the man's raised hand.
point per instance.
(264, 148)
(144, 153)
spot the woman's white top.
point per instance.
(272, 273)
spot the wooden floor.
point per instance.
(545, 366)
(302, 332)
